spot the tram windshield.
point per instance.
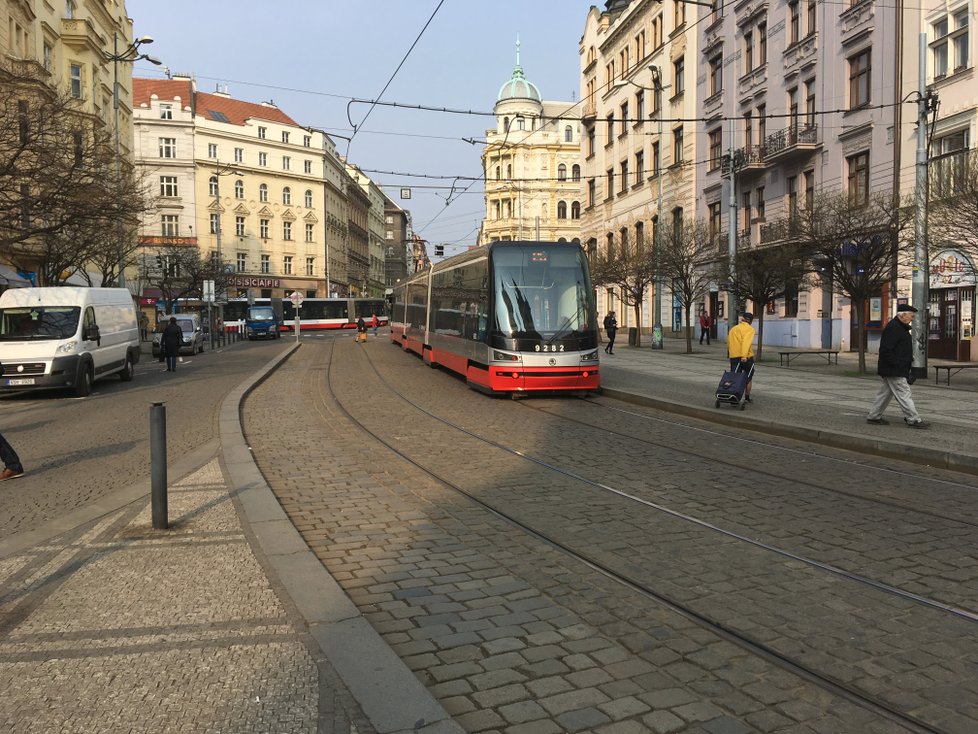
(542, 292)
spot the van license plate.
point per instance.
(24, 381)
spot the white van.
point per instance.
(62, 337)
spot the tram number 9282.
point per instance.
(548, 348)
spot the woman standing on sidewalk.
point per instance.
(611, 328)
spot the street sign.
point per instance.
(297, 298)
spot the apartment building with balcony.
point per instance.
(942, 30)
(397, 229)
(242, 181)
(798, 97)
(375, 232)
(639, 141)
(531, 163)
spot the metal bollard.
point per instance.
(157, 452)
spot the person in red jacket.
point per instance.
(374, 323)
(705, 323)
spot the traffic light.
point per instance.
(439, 251)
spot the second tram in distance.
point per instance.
(316, 313)
(511, 317)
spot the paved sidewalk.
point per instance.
(226, 622)
(811, 400)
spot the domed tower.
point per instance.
(518, 100)
(531, 164)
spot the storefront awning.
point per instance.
(10, 279)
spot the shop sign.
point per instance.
(951, 269)
(250, 281)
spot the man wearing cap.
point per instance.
(895, 361)
(740, 349)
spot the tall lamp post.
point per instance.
(129, 54)
(226, 170)
(657, 89)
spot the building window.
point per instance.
(239, 226)
(215, 221)
(810, 102)
(239, 190)
(308, 198)
(656, 159)
(242, 262)
(562, 172)
(679, 76)
(762, 44)
(759, 202)
(716, 75)
(287, 231)
(677, 223)
(639, 168)
(168, 147)
(590, 143)
(716, 148)
(212, 150)
(307, 166)
(568, 134)
(266, 262)
(307, 141)
(310, 265)
(809, 189)
(575, 172)
(263, 193)
(623, 184)
(859, 69)
(748, 52)
(561, 210)
(575, 210)
(858, 178)
(287, 196)
(610, 181)
(287, 265)
(70, 9)
(812, 17)
(677, 145)
(678, 13)
(611, 128)
(624, 117)
(591, 193)
(169, 225)
(239, 155)
(262, 131)
(263, 159)
(212, 186)
(285, 137)
(791, 189)
(639, 107)
(745, 207)
(286, 162)
(48, 57)
(263, 230)
(794, 22)
(166, 113)
(168, 186)
(714, 221)
(76, 81)
(309, 232)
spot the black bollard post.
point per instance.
(157, 451)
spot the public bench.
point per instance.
(829, 355)
(951, 369)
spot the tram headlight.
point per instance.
(590, 356)
(504, 357)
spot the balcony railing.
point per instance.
(780, 230)
(794, 139)
(748, 159)
(949, 173)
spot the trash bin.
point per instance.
(632, 336)
(656, 337)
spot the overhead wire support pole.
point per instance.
(732, 236)
(921, 266)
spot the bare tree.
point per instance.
(178, 272)
(953, 216)
(857, 243)
(62, 187)
(684, 255)
(762, 274)
(631, 270)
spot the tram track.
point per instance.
(756, 646)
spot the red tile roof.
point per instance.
(229, 110)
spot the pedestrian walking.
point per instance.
(12, 468)
(143, 326)
(740, 349)
(170, 341)
(705, 323)
(361, 330)
(893, 367)
(374, 322)
(611, 328)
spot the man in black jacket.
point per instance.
(895, 361)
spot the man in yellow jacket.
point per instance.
(740, 349)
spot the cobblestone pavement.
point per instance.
(114, 627)
(512, 635)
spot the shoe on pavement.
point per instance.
(878, 421)
(10, 474)
(747, 398)
(917, 424)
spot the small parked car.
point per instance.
(193, 333)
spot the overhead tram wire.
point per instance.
(421, 33)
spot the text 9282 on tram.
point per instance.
(511, 317)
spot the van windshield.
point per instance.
(39, 322)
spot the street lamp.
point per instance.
(129, 54)
(657, 89)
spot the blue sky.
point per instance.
(311, 56)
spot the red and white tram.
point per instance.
(511, 317)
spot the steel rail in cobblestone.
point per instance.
(698, 455)
(837, 687)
